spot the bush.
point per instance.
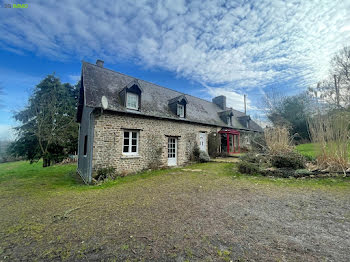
(105, 173)
(203, 157)
(248, 168)
(331, 134)
(278, 140)
(253, 158)
(258, 143)
(309, 158)
(195, 153)
(213, 144)
(291, 160)
(280, 172)
(223, 154)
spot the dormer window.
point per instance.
(177, 106)
(130, 96)
(226, 116)
(180, 110)
(244, 120)
(132, 101)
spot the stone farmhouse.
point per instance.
(132, 125)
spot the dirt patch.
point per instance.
(178, 216)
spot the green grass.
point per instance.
(31, 177)
(307, 149)
(310, 149)
(23, 177)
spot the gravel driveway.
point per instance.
(201, 213)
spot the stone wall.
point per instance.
(153, 141)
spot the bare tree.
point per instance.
(335, 89)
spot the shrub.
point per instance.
(105, 173)
(258, 143)
(278, 140)
(309, 158)
(203, 156)
(213, 144)
(155, 155)
(223, 154)
(291, 160)
(253, 158)
(248, 168)
(280, 172)
(331, 135)
(195, 153)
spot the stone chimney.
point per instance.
(220, 101)
(99, 63)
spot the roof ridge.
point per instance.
(152, 83)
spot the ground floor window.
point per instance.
(131, 142)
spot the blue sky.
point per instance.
(204, 48)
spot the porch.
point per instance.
(229, 141)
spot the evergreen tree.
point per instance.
(48, 128)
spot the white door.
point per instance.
(203, 141)
(172, 151)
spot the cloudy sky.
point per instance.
(204, 48)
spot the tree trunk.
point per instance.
(44, 162)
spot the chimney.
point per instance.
(99, 63)
(220, 101)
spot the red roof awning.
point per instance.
(229, 131)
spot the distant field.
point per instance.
(310, 149)
(307, 149)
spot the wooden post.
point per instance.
(336, 90)
(228, 142)
(233, 143)
(239, 149)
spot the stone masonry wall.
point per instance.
(153, 141)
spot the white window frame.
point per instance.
(180, 110)
(129, 95)
(129, 145)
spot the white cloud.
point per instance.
(73, 79)
(241, 45)
(7, 132)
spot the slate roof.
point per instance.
(98, 82)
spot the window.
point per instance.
(171, 147)
(229, 122)
(132, 101)
(131, 143)
(85, 145)
(180, 110)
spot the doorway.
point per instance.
(172, 151)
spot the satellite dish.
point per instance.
(104, 102)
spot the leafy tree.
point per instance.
(48, 129)
(292, 112)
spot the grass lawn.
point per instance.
(310, 149)
(307, 149)
(203, 212)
